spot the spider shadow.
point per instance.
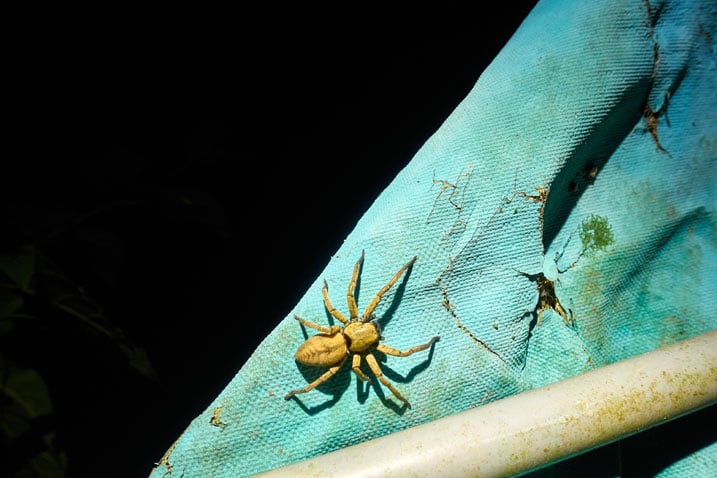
(362, 388)
(357, 289)
(388, 314)
(396, 301)
(334, 386)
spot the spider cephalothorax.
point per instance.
(358, 337)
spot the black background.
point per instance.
(194, 171)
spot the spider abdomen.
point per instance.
(322, 350)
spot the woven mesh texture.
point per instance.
(549, 166)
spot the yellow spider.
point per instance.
(358, 337)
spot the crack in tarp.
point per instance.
(447, 305)
(651, 115)
(547, 298)
(165, 459)
(539, 198)
(456, 199)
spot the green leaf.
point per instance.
(137, 358)
(10, 303)
(26, 388)
(48, 464)
(19, 268)
(25, 397)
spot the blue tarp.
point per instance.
(563, 218)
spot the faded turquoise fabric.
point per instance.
(586, 155)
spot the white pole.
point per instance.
(539, 427)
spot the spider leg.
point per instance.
(374, 302)
(350, 298)
(332, 310)
(355, 366)
(324, 377)
(320, 328)
(397, 353)
(376, 369)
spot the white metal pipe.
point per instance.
(541, 426)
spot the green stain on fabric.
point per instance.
(596, 233)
